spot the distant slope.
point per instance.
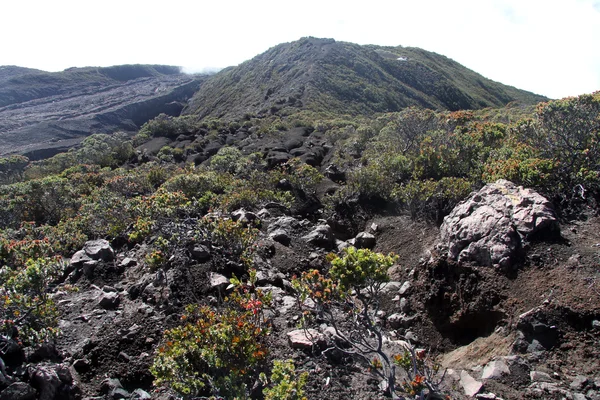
(18, 84)
(325, 75)
(45, 112)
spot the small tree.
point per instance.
(348, 299)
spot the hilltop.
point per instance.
(339, 77)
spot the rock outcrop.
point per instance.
(490, 227)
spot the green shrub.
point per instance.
(284, 383)
(217, 353)
(27, 312)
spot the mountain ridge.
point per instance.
(324, 74)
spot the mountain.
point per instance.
(42, 113)
(340, 77)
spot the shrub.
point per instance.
(228, 159)
(231, 239)
(216, 353)
(27, 313)
(567, 132)
(350, 294)
(284, 383)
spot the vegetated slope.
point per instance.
(45, 112)
(325, 75)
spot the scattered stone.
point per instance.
(596, 324)
(397, 320)
(81, 365)
(201, 252)
(539, 376)
(486, 396)
(263, 213)
(110, 384)
(469, 384)
(109, 301)
(99, 250)
(88, 268)
(341, 245)
(119, 393)
(218, 281)
(365, 240)
(139, 394)
(411, 336)
(374, 227)
(280, 236)
(404, 305)
(128, 263)
(18, 391)
(305, 338)
(46, 380)
(109, 289)
(243, 216)
(579, 382)
(79, 258)
(321, 236)
(404, 288)
(495, 369)
(490, 226)
(390, 287)
(286, 223)
(579, 396)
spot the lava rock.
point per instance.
(109, 301)
(321, 236)
(201, 252)
(280, 236)
(365, 240)
(18, 391)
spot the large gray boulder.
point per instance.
(490, 227)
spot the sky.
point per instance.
(549, 47)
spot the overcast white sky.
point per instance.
(549, 47)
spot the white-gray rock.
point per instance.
(218, 280)
(469, 384)
(99, 250)
(288, 224)
(539, 376)
(305, 338)
(579, 382)
(490, 226)
(495, 369)
(391, 287)
(404, 288)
